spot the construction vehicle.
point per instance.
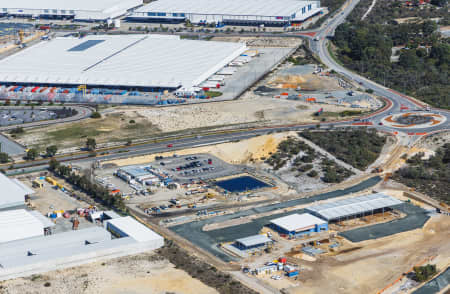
(387, 176)
(37, 184)
(210, 195)
(21, 41)
(51, 181)
(377, 170)
(75, 223)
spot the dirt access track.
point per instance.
(378, 262)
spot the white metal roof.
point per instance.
(254, 240)
(46, 222)
(352, 206)
(229, 7)
(19, 224)
(297, 221)
(134, 229)
(13, 192)
(126, 60)
(96, 5)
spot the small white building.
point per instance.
(19, 224)
(129, 227)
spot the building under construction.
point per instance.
(344, 209)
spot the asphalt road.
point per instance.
(13, 148)
(319, 45)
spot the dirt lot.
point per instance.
(115, 125)
(249, 109)
(379, 262)
(262, 42)
(235, 152)
(144, 273)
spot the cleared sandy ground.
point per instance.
(235, 152)
(251, 109)
(378, 262)
(139, 274)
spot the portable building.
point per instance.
(253, 242)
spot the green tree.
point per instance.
(91, 144)
(32, 154)
(409, 59)
(423, 273)
(96, 114)
(53, 164)
(51, 150)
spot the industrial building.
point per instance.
(16, 192)
(140, 62)
(84, 10)
(253, 242)
(41, 253)
(298, 224)
(19, 224)
(234, 12)
(354, 207)
(129, 227)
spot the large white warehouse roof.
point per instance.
(297, 222)
(126, 60)
(80, 9)
(134, 229)
(19, 224)
(231, 7)
(14, 192)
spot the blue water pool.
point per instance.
(241, 184)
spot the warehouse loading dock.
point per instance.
(233, 12)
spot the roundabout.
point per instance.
(413, 120)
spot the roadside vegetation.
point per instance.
(208, 274)
(82, 182)
(424, 273)
(213, 94)
(423, 54)
(431, 176)
(303, 159)
(357, 147)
